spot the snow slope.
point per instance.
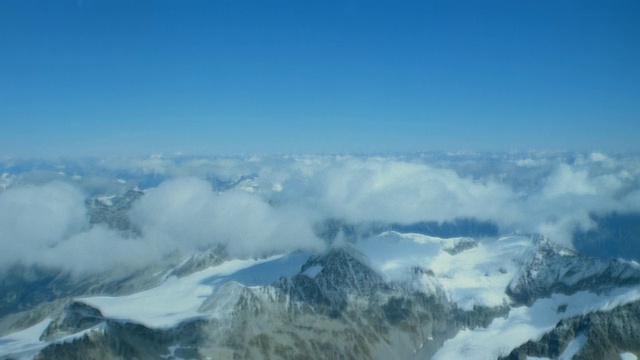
(528, 323)
(26, 343)
(178, 299)
(479, 276)
(474, 277)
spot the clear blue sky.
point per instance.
(213, 76)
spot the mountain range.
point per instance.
(376, 292)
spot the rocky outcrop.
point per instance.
(551, 268)
(121, 340)
(457, 245)
(604, 335)
(75, 317)
(326, 282)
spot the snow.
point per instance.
(24, 344)
(628, 356)
(478, 277)
(574, 347)
(178, 299)
(313, 271)
(530, 323)
(394, 254)
(474, 277)
(222, 303)
(107, 200)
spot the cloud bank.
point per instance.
(186, 213)
(258, 206)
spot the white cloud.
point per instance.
(530, 162)
(387, 190)
(569, 195)
(185, 213)
(34, 218)
(46, 222)
(99, 249)
(598, 157)
(392, 191)
(47, 225)
(567, 180)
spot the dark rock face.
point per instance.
(461, 245)
(608, 334)
(343, 273)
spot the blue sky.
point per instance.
(217, 77)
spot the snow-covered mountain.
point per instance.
(322, 258)
(392, 295)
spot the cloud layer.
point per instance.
(186, 213)
(260, 206)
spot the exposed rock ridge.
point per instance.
(551, 268)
